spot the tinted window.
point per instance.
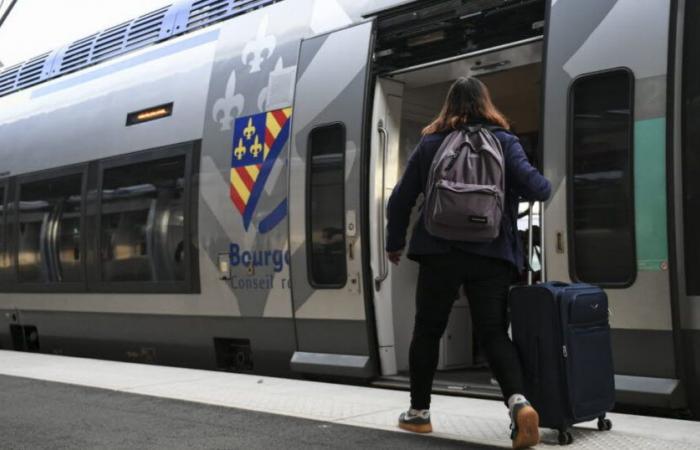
(4, 256)
(143, 221)
(49, 230)
(602, 193)
(327, 206)
(691, 147)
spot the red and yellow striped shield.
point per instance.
(257, 142)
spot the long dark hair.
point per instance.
(467, 101)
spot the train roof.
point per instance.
(151, 28)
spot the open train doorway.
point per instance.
(406, 100)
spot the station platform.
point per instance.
(339, 413)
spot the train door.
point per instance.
(686, 198)
(326, 191)
(605, 153)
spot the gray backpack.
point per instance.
(466, 187)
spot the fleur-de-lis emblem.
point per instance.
(249, 130)
(256, 148)
(229, 106)
(259, 49)
(240, 150)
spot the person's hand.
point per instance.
(394, 257)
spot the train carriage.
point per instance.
(205, 185)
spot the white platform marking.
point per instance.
(472, 420)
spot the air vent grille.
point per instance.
(144, 30)
(78, 54)
(204, 12)
(109, 42)
(8, 78)
(31, 71)
(244, 6)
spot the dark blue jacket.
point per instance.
(523, 181)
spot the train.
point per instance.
(205, 185)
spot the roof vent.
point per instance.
(146, 29)
(31, 71)
(206, 11)
(109, 42)
(8, 77)
(244, 6)
(77, 54)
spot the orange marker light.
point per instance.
(145, 115)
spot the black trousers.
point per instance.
(486, 282)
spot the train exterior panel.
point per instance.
(242, 230)
(640, 294)
(239, 68)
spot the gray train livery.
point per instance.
(205, 185)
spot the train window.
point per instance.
(326, 207)
(691, 147)
(5, 264)
(49, 224)
(142, 221)
(601, 179)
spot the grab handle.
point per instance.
(543, 253)
(381, 257)
(530, 241)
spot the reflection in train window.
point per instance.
(49, 245)
(326, 207)
(5, 264)
(602, 198)
(143, 222)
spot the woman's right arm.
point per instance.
(527, 181)
(401, 202)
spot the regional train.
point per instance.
(205, 185)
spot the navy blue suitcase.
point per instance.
(562, 334)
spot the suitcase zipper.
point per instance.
(564, 352)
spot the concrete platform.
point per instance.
(478, 422)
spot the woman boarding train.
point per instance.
(485, 269)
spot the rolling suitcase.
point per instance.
(562, 335)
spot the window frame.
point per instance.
(52, 286)
(190, 285)
(573, 274)
(309, 240)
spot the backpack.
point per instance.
(465, 192)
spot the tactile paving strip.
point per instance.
(466, 419)
(496, 432)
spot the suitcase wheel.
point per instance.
(604, 424)
(565, 437)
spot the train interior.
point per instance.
(513, 75)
